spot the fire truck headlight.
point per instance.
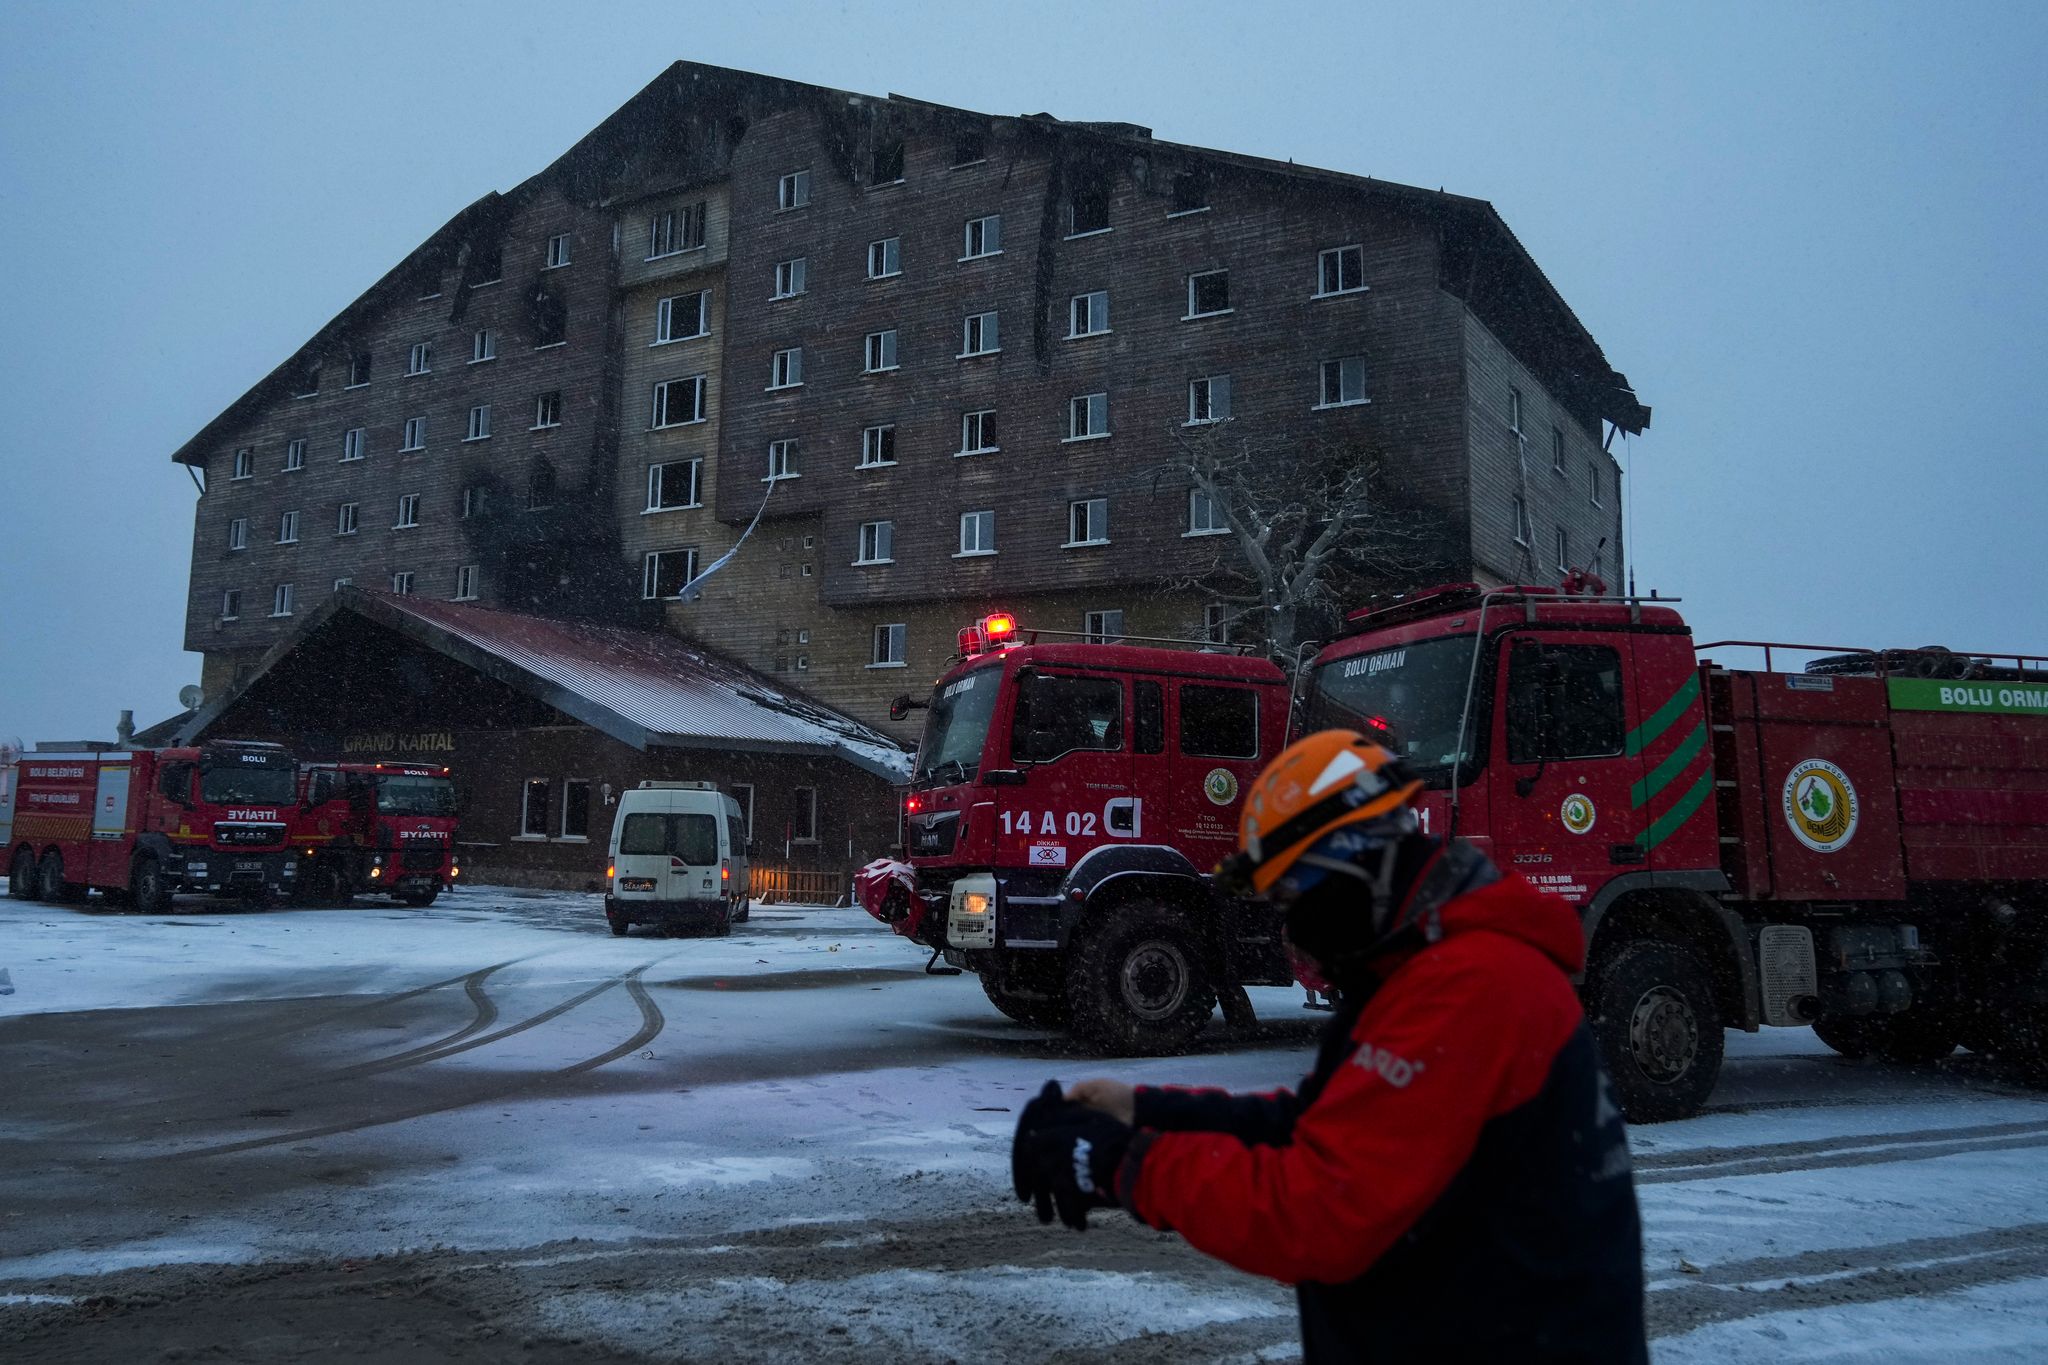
(375, 873)
(974, 903)
(454, 871)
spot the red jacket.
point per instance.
(1453, 1175)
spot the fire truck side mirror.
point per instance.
(903, 705)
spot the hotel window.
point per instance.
(465, 583)
(1205, 518)
(408, 512)
(887, 651)
(288, 528)
(474, 499)
(1557, 449)
(1519, 510)
(1208, 399)
(984, 237)
(1088, 522)
(978, 432)
(885, 258)
(1208, 293)
(1087, 211)
(681, 317)
(878, 446)
(789, 278)
(352, 444)
(238, 534)
(881, 352)
(1088, 417)
(1340, 270)
(1190, 193)
(981, 335)
(877, 541)
(420, 360)
(345, 519)
(1088, 314)
(1593, 483)
(1343, 382)
(359, 369)
(678, 402)
(977, 533)
(1564, 553)
(415, 434)
(281, 600)
(793, 191)
(231, 605)
(665, 573)
(547, 410)
(245, 463)
(401, 583)
(295, 454)
(1216, 623)
(558, 251)
(781, 461)
(483, 346)
(1103, 627)
(479, 422)
(786, 368)
(673, 485)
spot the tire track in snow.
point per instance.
(1848, 1275)
(652, 1021)
(1866, 1149)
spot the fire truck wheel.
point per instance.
(21, 875)
(50, 883)
(1138, 983)
(1850, 1036)
(1654, 1014)
(1910, 1039)
(1044, 1010)
(147, 891)
(420, 900)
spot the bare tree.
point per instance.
(1311, 529)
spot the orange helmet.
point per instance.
(1317, 785)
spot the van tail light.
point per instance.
(611, 870)
(725, 872)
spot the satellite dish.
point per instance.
(189, 696)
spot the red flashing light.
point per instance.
(914, 805)
(998, 626)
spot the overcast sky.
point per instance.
(1811, 235)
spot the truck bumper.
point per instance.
(223, 873)
(694, 913)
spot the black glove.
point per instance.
(1065, 1157)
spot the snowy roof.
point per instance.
(643, 687)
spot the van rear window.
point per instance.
(690, 837)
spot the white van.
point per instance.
(678, 859)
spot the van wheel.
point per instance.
(148, 892)
(1139, 983)
(746, 910)
(1659, 1026)
(21, 875)
(618, 925)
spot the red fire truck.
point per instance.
(1068, 803)
(375, 829)
(147, 823)
(1861, 845)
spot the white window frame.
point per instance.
(558, 251)
(876, 544)
(666, 313)
(1322, 383)
(982, 541)
(1216, 623)
(696, 488)
(352, 444)
(662, 236)
(782, 457)
(231, 604)
(1214, 523)
(1195, 275)
(483, 346)
(1081, 412)
(348, 518)
(408, 512)
(791, 277)
(976, 331)
(878, 446)
(420, 359)
(878, 355)
(888, 647)
(888, 253)
(1557, 452)
(1102, 627)
(401, 583)
(1202, 404)
(976, 235)
(807, 800)
(1336, 254)
(793, 191)
(281, 599)
(414, 435)
(1518, 509)
(650, 573)
(1088, 315)
(540, 409)
(1515, 411)
(288, 527)
(465, 583)
(475, 498)
(362, 360)
(238, 534)
(786, 369)
(1090, 522)
(479, 423)
(526, 787)
(1564, 550)
(662, 415)
(294, 454)
(563, 835)
(245, 464)
(1075, 231)
(1593, 483)
(977, 422)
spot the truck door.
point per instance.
(1217, 743)
(1069, 735)
(110, 829)
(1560, 790)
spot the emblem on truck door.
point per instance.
(1577, 813)
(1820, 805)
(1220, 786)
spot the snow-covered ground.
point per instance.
(497, 1126)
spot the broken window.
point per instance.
(970, 147)
(486, 265)
(359, 369)
(540, 487)
(1087, 211)
(665, 573)
(1190, 192)
(1208, 293)
(888, 168)
(549, 317)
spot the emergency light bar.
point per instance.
(991, 632)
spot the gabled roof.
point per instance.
(645, 688)
(1517, 300)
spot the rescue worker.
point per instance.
(1451, 1182)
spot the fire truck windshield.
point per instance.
(415, 796)
(1408, 697)
(220, 785)
(956, 728)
